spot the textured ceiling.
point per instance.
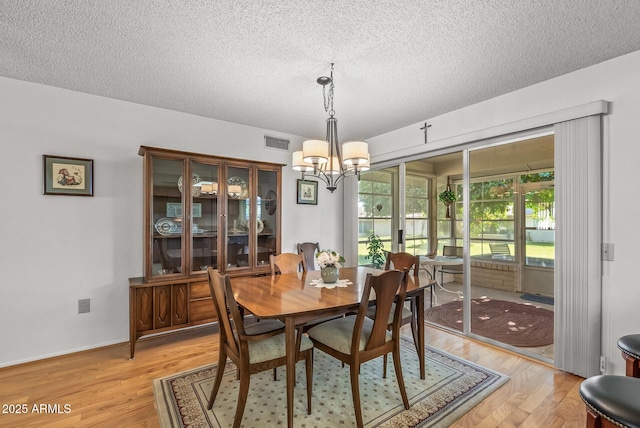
(256, 62)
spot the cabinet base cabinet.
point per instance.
(162, 308)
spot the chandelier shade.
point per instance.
(315, 151)
(355, 152)
(322, 159)
(299, 164)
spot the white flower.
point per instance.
(327, 258)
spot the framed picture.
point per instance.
(67, 176)
(307, 192)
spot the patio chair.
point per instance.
(500, 249)
(451, 251)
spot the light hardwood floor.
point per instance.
(103, 387)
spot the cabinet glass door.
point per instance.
(204, 217)
(238, 218)
(266, 216)
(167, 217)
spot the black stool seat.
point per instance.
(630, 345)
(614, 398)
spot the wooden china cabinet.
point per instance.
(225, 214)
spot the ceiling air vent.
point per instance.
(276, 143)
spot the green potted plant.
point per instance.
(448, 197)
(375, 251)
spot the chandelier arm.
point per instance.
(322, 176)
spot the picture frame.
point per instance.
(67, 176)
(307, 192)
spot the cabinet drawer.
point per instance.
(201, 310)
(200, 290)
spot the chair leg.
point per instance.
(309, 366)
(275, 374)
(242, 399)
(414, 324)
(400, 379)
(355, 392)
(384, 366)
(222, 360)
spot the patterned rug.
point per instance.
(452, 387)
(516, 324)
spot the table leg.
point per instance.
(290, 340)
(421, 354)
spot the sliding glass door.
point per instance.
(504, 235)
(378, 213)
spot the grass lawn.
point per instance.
(543, 250)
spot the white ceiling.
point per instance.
(256, 62)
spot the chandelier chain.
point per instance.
(328, 95)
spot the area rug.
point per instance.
(452, 387)
(516, 324)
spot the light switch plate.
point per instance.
(84, 306)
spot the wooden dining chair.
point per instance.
(287, 263)
(405, 262)
(356, 339)
(252, 351)
(309, 249)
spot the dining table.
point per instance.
(297, 299)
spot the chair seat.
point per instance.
(337, 333)
(262, 326)
(613, 397)
(272, 348)
(630, 345)
(406, 313)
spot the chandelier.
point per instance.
(322, 158)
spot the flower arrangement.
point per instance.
(329, 258)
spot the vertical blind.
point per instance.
(578, 190)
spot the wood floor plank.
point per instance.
(104, 388)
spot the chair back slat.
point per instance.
(217, 286)
(386, 286)
(309, 249)
(403, 261)
(451, 250)
(287, 263)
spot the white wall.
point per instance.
(58, 249)
(616, 81)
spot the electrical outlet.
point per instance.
(84, 306)
(603, 364)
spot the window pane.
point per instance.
(497, 210)
(444, 228)
(383, 206)
(498, 189)
(364, 186)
